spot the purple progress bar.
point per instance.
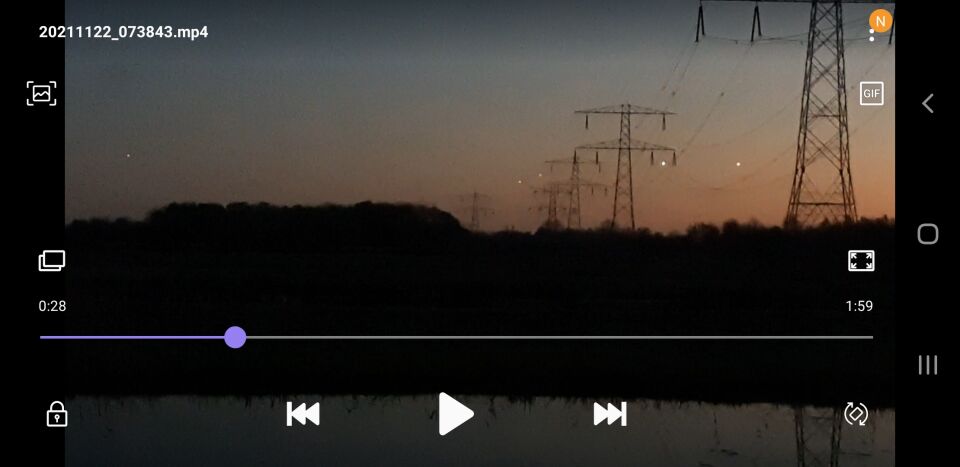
(234, 337)
(125, 338)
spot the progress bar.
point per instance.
(564, 338)
(235, 337)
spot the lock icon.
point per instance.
(57, 417)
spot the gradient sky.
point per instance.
(316, 102)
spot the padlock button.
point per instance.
(57, 415)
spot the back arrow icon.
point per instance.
(925, 103)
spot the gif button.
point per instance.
(871, 93)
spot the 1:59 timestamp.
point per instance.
(860, 306)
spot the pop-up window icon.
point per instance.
(52, 261)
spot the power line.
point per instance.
(823, 142)
(575, 184)
(476, 208)
(623, 204)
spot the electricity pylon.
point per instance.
(553, 190)
(817, 434)
(476, 208)
(576, 182)
(822, 189)
(625, 145)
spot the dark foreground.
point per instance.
(398, 270)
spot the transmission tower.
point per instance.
(476, 208)
(822, 189)
(818, 436)
(625, 145)
(553, 190)
(574, 220)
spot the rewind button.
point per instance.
(302, 414)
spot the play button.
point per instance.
(452, 413)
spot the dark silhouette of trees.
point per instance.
(374, 268)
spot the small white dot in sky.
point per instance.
(738, 164)
(128, 155)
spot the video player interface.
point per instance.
(499, 233)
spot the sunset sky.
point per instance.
(319, 102)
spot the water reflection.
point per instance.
(402, 430)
